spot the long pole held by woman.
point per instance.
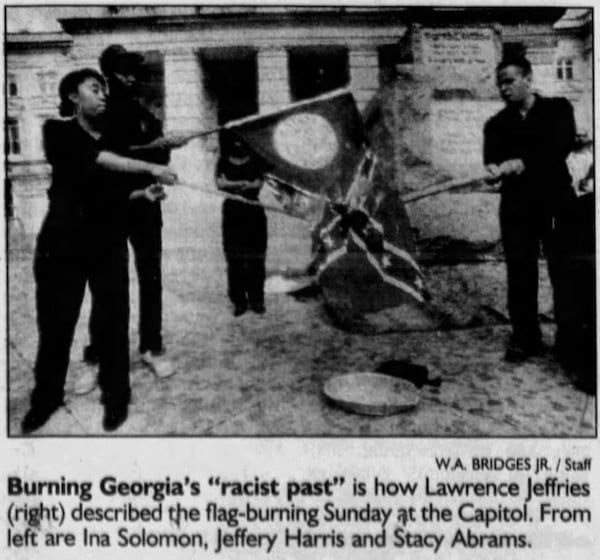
(83, 240)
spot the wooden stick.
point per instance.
(412, 197)
(257, 116)
(200, 133)
(295, 188)
(241, 199)
(439, 188)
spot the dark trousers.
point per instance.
(526, 223)
(245, 246)
(64, 263)
(576, 342)
(145, 237)
(246, 279)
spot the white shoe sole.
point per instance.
(160, 367)
(86, 383)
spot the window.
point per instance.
(13, 140)
(316, 70)
(387, 57)
(512, 49)
(231, 79)
(564, 69)
(13, 89)
(47, 82)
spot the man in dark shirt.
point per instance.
(132, 130)
(525, 148)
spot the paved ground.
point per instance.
(263, 375)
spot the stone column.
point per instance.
(273, 79)
(186, 110)
(183, 90)
(364, 74)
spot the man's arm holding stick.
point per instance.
(174, 140)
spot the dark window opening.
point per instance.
(13, 140)
(514, 49)
(231, 78)
(387, 58)
(317, 70)
(13, 89)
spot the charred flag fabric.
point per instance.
(316, 150)
(316, 144)
(363, 256)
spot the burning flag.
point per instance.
(362, 257)
(296, 201)
(317, 152)
(316, 145)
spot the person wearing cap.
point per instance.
(526, 145)
(133, 131)
(83, 240)
(239, 172)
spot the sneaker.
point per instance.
(37, 417)
(114, 416)
(160, 366)
(87, 380)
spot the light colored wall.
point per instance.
(28, 172)
(364, 73)
(187, 103)
(273, 83)
(189, 106)
(186, 110)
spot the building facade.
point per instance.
(207, 65)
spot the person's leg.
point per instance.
(234, 247)
(255, 282)
(146, 241)
(90, 352)
(559, 246)
(521, 244)
(255, 259)
(110, 284)
(60, 286)
(570, 249)
(586, 376)
(236, 279)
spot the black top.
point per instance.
(82, 194)
(250, 171)
(543, 140)
(127, 123)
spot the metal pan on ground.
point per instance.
(372, 394)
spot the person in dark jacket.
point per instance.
(577, 349)
(133, 131)
(525, 148)
(83, 239)
(239, 172)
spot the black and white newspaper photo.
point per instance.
(309, 280)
